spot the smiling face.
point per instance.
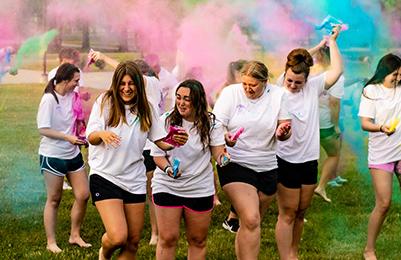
(253, 88)
(294, 82)
(392, 79)
(184, 103)
(127, 89)
(70, 85)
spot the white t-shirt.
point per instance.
(197, 179)
(256, 146)
(53, 72)
(382, 105)
(303, 106)
(123, 165)
(58, 117)
(336, 91)
(154, 95)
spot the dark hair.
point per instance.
(387, 64)
(299, 61)
(256, 69)
(65, 72)
(145, 68)
(234, 66)
(204, 120)
(138, 105)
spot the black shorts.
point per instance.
(148, 160)
(102, 189)
(60, 167)
(294, 175)
(168, 200)
(265, 182)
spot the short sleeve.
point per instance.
(367, 105)
(96, 120)
(283, 113)
(222, 108)
(337, 90)
(45, 111)
(217, 134)
(157, 130)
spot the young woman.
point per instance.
(188, 194)
(120, 122)
(380, 107)
(60, 155)
(250, 180)
(297, 156)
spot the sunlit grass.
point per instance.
(333, 231)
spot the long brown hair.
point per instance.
(139, 104)
(204, 120)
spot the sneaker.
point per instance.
(231, 224)
(340, 180)
(333, 183)
(66, 186)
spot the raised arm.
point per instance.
(336, 62)
(97, 55)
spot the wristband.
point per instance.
(166, 169)
(381, 129)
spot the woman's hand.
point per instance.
(385, 129)
(335, 32)
(110, 138)
(283, 131)
(229, 141)
(74, 140)
(181, 137)
(169, 171)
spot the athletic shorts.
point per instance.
(201, 204)
(60, 167)
(330, 140)
(102, 189)
(387, 167)
(148, 160)
(265, 182)
(294, 175)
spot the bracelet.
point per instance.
(381, 129)
(166, 168)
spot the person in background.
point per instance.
(379, 112)
(329, 112)
(60, 155)
(120, 122)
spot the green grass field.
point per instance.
(333, 231)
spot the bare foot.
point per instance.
(79, 242)
(54, 248)
(369, 255)
(322, 194)
(153, 240)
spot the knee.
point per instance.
(197, 241)
(383, 206)
(54, 201)
(117, 239)
(288, 216)
(168, 239)
(132, 244)
(250, 222)
(82, 196)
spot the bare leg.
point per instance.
(382, 184)
(305, 201)
(196, 226)
(54, 189)
(168, 220)
(152, 216)
(288, 203)
(113, 217)
(80, 188)
(135, 216)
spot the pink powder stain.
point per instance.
(9, 34)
